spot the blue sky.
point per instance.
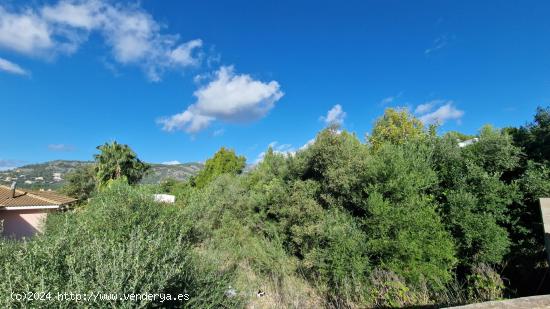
(176, 80)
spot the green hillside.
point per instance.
(50, 175)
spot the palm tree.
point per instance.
(116, 161)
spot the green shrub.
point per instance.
(80, 183)
(338, 262)
(475, 245)
(406, 219)
(472, 192)
(122, 242)
(225, 161)
(484, 284)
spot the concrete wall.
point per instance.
(545, 211)
(531, 302)
(23, 223)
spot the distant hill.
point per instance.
(160, 172)
(51, 174)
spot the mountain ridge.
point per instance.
(51, 174)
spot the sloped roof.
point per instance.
(32, 198)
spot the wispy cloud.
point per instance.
(390, 99)
(335, 115)
(10, 164)
(281, 148)
(132, 34)
(228, 97)
(61, 147)
(387, 100)
(428, 106)
(219, 132)
(438, 112)
(307, 144)
(439, 43)
(284, 149)
(10, 67)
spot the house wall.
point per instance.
(23, 223)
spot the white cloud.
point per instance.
(26, 32)
(281, 148)
(183, 54)
(259, 158)
(442, 114)
(228, 97)
(438, 44)
(135, 38)
(10, 67)
(61, 147)
(85, 14)
(427, 107)
(423, 108)
(307, 144)
(284, 149)
(391, 99)
(174, 162)
(387, 100)
(335, 115)
(187, 121)
(219, 132)
(132, 34)
(238, 98)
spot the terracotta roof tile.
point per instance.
(32, 198)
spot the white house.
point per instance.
(57, 177)
(164, 198)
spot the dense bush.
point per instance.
(225, 161)
(526, 265)
(392, 224)
(122, 242)
(407, 218)
(344, 211)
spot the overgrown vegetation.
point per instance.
(406, 218)
(122, 242)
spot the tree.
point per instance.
(384, 195)
(534, 137)
(80, 183)
(494, 152)
(396, 126)
(225, 161)
(404, 231)
(526, 264)
(472, 193)
(527, 261)
(116, 161)
(335, 160)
